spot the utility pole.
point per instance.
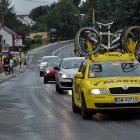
(80, 18)
(93, 19)
(0, 39)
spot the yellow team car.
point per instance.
(105, 82)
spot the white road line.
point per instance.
(60, 49)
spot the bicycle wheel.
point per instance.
(84, 34)
(130, 39)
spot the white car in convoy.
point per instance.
(65, 73)
(43, 62)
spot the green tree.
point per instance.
(6, 10)
(63, 19)
(38, 39)
(122, 12)
(39, 11)
(136, 17)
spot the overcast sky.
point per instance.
(23, 7)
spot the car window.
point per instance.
(71, 63)
(45, 59)
(54, 63)
(114, 69)
(48, 58)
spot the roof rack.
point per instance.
(88, 43)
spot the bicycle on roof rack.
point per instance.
(89, 41)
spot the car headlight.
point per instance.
(96, 91)
(47, 71)
(64, 75)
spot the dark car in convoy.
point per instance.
(49, 71)
(43, 62)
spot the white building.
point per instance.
(26, 20)
(7, 39)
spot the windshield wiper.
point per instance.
(128, 67)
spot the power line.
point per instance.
(38, 1)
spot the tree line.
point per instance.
(64, 15)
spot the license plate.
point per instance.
(126, 100)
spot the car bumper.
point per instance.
(49, 77)
(108, 103)
(65, 83)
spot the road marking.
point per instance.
(60, 49)
(33, 87)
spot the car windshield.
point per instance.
(48, 58)
(54, 63)
(71, 63)
(114, 69)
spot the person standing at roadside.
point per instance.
(20, 61)
(11, 66)
(58, 39)
(6, 62)
(1, 66)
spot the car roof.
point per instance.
(73, 58)
(112, 56)
(49, 56)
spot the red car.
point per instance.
(49, 71)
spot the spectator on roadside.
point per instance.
(1, 66)
(6, 62)
(58, 39)
(11, 66)
(25, 60)
(15, 61)
(20, 61)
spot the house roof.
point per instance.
(25, 19)
(8, 30)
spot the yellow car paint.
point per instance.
(106, 101)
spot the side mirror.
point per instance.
(39, 61)
(78, 75)
(56, 68)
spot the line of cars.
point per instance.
(99, 84)
(62, 71)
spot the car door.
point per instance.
(78, 82)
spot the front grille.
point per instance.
(66, 84)
(107, 105)
(121, 90)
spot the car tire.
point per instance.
(45, 81)
(41, 73)
(58, 89)
(75, 109)
(86, 115)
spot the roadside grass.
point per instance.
(33, 46)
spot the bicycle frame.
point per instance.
(109, 34)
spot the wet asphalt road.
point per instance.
(32, 110)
